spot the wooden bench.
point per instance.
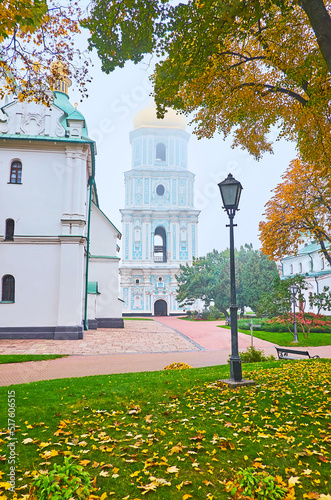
(284, 353)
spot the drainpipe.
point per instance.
(91, 182)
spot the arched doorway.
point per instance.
(160, 308)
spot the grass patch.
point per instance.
(171, 434)
(22, 358)
(286, 338)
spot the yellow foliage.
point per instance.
(177, 366)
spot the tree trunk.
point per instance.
(321, 23)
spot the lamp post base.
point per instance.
(234, 384)
(235, 368)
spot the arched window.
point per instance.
(160, 151)
(160, 245)
(8, 288)
(291, 269)
(300, 267)
(16, 173)
(137, 281)
(9, 235)
(322, 263)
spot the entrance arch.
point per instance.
(160, 308)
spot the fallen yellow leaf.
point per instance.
(293, 480)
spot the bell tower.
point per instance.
(159, 221)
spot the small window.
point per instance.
(9, 235)
(160, 279)
(16, 173)
(160, 190)
(137, 282)
(8, 288)
(300, 268)
(160, 152)
(322, 263)
(291, 269)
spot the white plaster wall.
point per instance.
(103, 236)
(105, 272)
(36, 205)
(35, 269)
(48, 284)
(71, 286)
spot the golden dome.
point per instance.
(147, 118)
(59, 79)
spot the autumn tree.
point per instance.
(208, 278)
(33, 34)
(299, 208)
(242, 67)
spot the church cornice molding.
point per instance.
(44, 240)
(39, 146)
(148, 212)
(151, 172)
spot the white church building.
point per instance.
(310, 263)
(58, 250)
(159, 221)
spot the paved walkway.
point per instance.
(140, 346)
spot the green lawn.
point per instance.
(21, 358)
(286, 338)
(177, 434)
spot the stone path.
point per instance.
(136, 336)
(140, 346)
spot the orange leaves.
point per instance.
(33, 34)
(299, 207)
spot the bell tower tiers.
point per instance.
(159, 221)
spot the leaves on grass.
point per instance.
(280, 428)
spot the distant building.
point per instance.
(58, 250)
(310, 263)
(159, 220)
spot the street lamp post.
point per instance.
(230, 190)
(294, 290)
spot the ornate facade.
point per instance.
(159, 221)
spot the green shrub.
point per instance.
(63, 482)
(215, 313)
(252, 485)
(253, 355)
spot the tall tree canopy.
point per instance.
(239, 66)
(33, 34)
(208, 278)
(300, 207)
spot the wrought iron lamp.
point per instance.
(230, 190)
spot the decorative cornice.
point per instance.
(43, 240)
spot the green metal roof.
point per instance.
(76, 115)
(92, 288)
(44, 138)
(318, 273)
(313, 247)
(61, 101)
